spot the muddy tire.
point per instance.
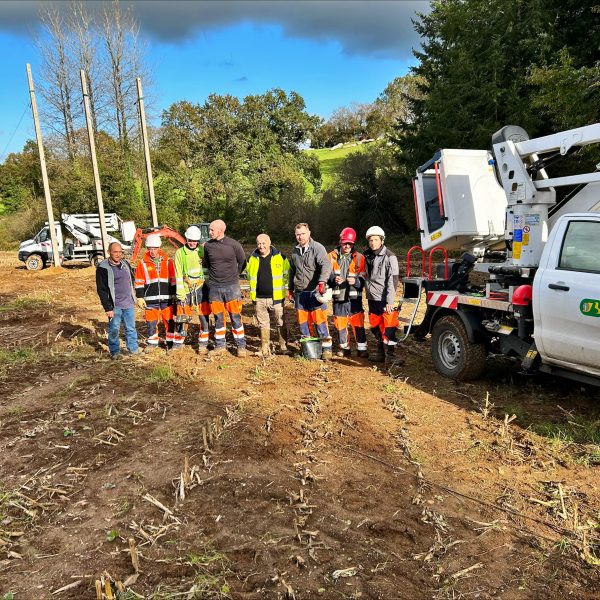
(34, 262)
(454, 356)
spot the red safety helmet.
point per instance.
(348, 235)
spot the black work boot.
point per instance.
(392, 358)
(378, 355)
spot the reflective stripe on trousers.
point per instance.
(153, 315)
(350, 313)
(309, 312)
(383, 325)
(196, 303)
(227, 300)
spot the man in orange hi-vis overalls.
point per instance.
(347, 280)
(154, 290)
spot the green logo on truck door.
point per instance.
(590, 307)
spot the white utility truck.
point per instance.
(528, 284)
(82, 239)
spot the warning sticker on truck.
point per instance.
(516, 250)
(590, 307)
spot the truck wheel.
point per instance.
(34, 262)
(454, 356)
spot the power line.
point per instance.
(3, 155)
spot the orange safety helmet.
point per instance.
(348, 235)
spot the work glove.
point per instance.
(321, 287)
(290, 295)
(141, 303)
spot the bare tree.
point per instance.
(103, 40)
(120, 34)
(57, 76)
(83, 45)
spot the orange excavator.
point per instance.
(165, 232)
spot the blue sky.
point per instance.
(333, 53)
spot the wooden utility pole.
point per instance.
(146, 151)
(40, 143)
(90, 130)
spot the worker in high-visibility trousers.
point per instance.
(192, 291)
(309, 271)
(381, 284)
(347, 280)
(225, 260)
(155, 290)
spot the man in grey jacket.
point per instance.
(114, 284)
(309, 271)
(381, 284)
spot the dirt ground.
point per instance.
(183, 477)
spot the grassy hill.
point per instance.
(331, 159)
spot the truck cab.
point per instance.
(203, 227)
(36, 252)
(566, 296)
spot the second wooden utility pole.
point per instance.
(40, 143)
(146, 152)
(90, 130)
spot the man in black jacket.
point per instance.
(114, 284)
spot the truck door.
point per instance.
(44, 242)
(567, 295)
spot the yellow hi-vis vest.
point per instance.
(280, 268)
(188, 269)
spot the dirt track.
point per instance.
(281, 478)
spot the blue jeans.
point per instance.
(127, 315)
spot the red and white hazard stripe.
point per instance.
(442, 299)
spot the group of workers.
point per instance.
(174, 292)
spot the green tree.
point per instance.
(568, 96)
(475, 63)
(237, 160)
(20, 179)
(370, 189)
(392, 107)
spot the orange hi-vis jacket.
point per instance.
(357, 268)
(155, 286)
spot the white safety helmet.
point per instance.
(153, 241)
(192, 234)
(375, 230)
(325, 297)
